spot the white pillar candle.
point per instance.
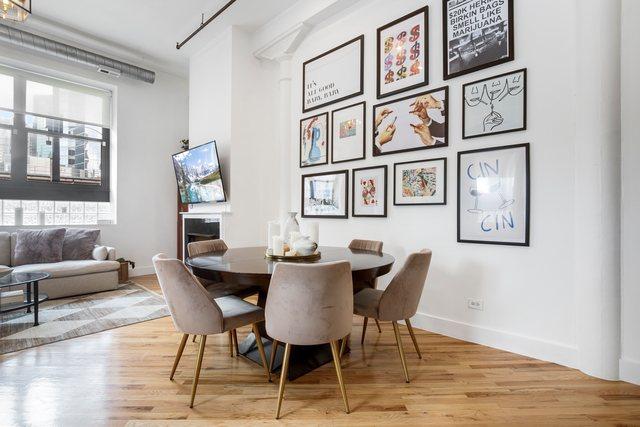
(278, 245)
(273, 229)
(313, 231)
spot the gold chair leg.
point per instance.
(263, 356)
(274, 351)
(196, 377)
(336, 363)
(378, 325)
(413, 337)
(396, 330)
(343, 345)
(283, 377)
(235, 341)
(183, 342)
(231, 343)
(364, 329)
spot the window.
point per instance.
(39, 212)
(54, 145)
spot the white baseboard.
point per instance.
(630, 370)
(528, 346)
(141, 271)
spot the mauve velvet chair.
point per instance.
(309, 304)
(194, 311)
(219, 289)
(374, 246)
(399, 301)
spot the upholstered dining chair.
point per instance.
(219, 289)
(367, 245)
(309, 304)
(194, 311)
(399, 301)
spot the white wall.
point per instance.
(149, 120)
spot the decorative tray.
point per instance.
(293, 258)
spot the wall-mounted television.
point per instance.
(198, 174)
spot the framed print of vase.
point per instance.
(325, 195)
(314, 140)
(333, 76)
(403, 54)
(493, 195)
(369, 192)
(495, 105)
(476, 35)
(422, 182)
(416, 122)
(347, 134)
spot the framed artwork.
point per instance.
(325, 195)
(333, 76)
(347, 134)
(423, 182)
(495, 105)
(477, 35)
(369, 192)
(493, 195)
(314, 140)
(415, 122)
(403, 54)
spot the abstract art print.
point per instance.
(415, 122)
(325, 195)
(333, 76)
(369, 192)
(403, 54)
(493, 195)
(347, 136)
(314, 140)
(477, 35)
(495, 105)
(422, 182)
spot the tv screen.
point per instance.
(198, 174)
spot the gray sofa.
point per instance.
(67, 277)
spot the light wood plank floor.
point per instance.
(120, 377)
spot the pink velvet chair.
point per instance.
(374, 246)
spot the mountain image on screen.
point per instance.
(198, 174)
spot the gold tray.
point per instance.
(293, 258)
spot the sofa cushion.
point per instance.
(39, 246)
(5, 248)
(100, 253)
(70, 268)
(79, 243)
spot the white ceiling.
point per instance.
(146, 31)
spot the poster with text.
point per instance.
(477, 34)
(493, 195)
(334, 76)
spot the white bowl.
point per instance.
(5, 271)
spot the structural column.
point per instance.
(284, 131)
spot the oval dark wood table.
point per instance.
(249, 266)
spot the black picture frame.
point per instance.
(359, 39)
(446, 122)
(364, 132)
(395, 177)
(425, 43)
(526, 243)
(326, 130)
(524, 109)
(344, 172)
(445, 45)
(353, 191)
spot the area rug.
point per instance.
(73, 317)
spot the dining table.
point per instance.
(251, 266)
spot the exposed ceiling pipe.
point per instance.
(205, 23)
(69, 53)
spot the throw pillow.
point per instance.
(38, 246)
(79, 243)
(100, 253)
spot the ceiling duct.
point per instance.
(72, 54)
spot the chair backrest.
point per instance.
(366, 245)
(401, 298)
(310, 304)
(204, 246)
(192, 309)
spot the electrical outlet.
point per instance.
(475, 304)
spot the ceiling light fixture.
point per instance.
(15, 10)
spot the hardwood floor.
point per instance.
(121, 377)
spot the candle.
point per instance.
(313, 231)
(278, 245)
(273, 229)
